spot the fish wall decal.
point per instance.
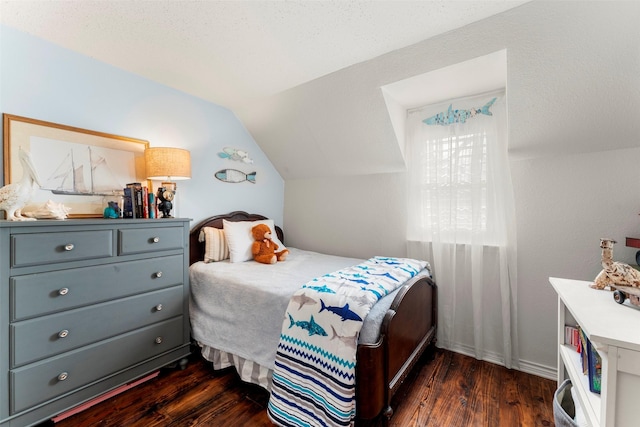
(235, 154)
(458, 116)
(235, 176)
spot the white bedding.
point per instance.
(239, 307)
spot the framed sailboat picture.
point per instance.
(80, 168)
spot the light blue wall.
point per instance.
(43, 81)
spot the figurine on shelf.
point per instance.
(48, 210)
(15, 196)
(165, 198)
(112, 211)
(613, 272)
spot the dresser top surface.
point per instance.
(92, 221)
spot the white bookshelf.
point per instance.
(589, 402)
(614, 330)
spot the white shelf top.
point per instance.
(603, 320)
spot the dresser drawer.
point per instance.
(46, 336)
(134, 241)
(43, 293)
(50, 378)
(48, 248)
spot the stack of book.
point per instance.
(138, 202)
(589, 357)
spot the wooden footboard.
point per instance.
(407, 329)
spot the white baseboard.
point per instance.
(549, 372)
(533, 368)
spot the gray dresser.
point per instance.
(87, 305)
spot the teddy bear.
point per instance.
(264, 249)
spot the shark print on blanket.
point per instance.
(343, 312)
(303, 300)
(312, 327)
(314, 374)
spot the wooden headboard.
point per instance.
(196, 248)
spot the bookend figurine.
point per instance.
(165, 198)
(619, 277)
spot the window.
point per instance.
(453, 184)
(452, 194)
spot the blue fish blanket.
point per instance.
(314, 374)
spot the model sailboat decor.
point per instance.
(94, 178)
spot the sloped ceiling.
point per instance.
(247, 55)
(232, 52)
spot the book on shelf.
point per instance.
(589, 358)
(584, 350)
(572, 337)
(595, 369)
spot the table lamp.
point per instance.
(169, 165)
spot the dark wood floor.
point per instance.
(446, 389)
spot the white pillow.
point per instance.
(215, 244)
(240, 240)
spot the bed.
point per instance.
(395, 333)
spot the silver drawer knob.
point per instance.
(63, 376)
(63, 333)
(159, 340)
(155, 239)
(63, 291)
(159, 307)
(69, 247)
(159, 274)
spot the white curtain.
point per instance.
(462, 220)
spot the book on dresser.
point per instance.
(87, 306)
(138, 202)
(137, 199)
(128, 210)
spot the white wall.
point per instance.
(43, 81)
(565, 204)
(573, 93)
(351, 216)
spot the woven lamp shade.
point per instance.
(167, 163)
